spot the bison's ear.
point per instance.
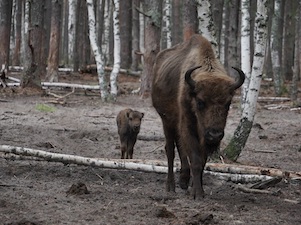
(240, 80)
(128, 113)
(142, 115)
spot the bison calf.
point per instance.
(128, 122)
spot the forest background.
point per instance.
(176, 21)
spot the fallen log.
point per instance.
(92, 67)
(235, 173)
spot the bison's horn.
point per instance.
(241, 79)
(188, 78)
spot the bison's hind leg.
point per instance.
(170, 153)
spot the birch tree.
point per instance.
(166, 28)
(245, 46)
(243, 130)
(116, 66)
(97, 54)
(206, 25)
(71, 30)
(106, 32)
(275, 49)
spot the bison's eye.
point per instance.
(200, 104)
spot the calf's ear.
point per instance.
(142, 115)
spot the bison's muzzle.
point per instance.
(213, 136)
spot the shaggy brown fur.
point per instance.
(128, 123)
(193, 104)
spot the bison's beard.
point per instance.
(211, 147)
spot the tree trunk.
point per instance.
(176, 18)
(18, 33)
(166, 28)
(53, 56)
(106, 33)
(5, 25)
(297, 60)
(189, 19)
(116, 66)
(232, 58)
(125, 33)
(206, 25)
(275, 49)
(288, 39)
(245, 46)
(98, 57)
(243, 130)
(152, 43)
(71, 31)
(33, 66)
(135, 36)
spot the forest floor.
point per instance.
(39, 192)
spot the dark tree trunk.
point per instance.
(176, 22)
(135, 36)
(217, 14)
(288, 39)
(53, 56)
(232, 58)
(152, 43)
(16, 54)
(5, 26)
(125, 17)
(189, 19)
(34, 67)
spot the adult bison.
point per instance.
(192, 93)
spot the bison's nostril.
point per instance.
(214, 135)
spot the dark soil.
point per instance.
(39, 192)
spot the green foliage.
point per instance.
(45, 108)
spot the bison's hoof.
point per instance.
(170, 187)
(197, 194)
(184, 183)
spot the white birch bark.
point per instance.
(116, 66)
(98, 56)
(258, 61)
(245, 46)
(243, 130)
(71, 30)
(229, 172)
(166, 30)
(206, 25)
(275, 46)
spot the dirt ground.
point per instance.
(39, 192)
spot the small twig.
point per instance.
(255, 191)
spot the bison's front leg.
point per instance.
(198, 162)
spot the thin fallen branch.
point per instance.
(255, 191)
